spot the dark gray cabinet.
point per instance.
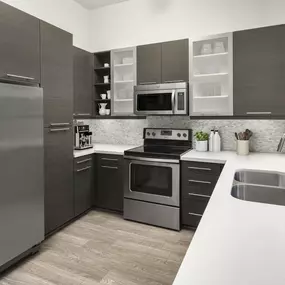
(83, 70)
(83, 177)
(59, 207)
(109, 182)
(198, 181)
(175, 61)
(149, 64)
(259, 71)
(19, 45)
(57, 74)
(163, 62)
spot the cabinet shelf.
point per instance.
(102, 100)
(124, 82)
(102, 84)
(123, 65)
(212, 55)
(103, 68)
(212, 97)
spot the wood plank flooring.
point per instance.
(102, 248)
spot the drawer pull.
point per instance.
(199, 168)
(194, 214)
(59, 130)
(110, 167)
(199, 181)
(83, 169)
(82, 161)
(199, 195)
(109, 159)
(20, 76)
(59, 124)
(83, 114)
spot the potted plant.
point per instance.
(202, 141)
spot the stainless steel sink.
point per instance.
(260, 194)
(266, 178)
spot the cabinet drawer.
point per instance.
(200, 168)
(81, 163)
(190, 219)
(199, 184)
(195, 204)
(109, 161)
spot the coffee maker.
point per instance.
(82, 137)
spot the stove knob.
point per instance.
(184, 135)
(179, 135)
(148, 134)
(153, 134)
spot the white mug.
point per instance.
(106, 79)
(106, 65)
(107, 112)
(103, 96)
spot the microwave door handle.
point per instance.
(173, 101)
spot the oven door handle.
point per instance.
(174, 161)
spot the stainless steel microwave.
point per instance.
(161, 99)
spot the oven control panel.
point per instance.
(167, 134)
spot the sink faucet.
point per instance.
(281, 144)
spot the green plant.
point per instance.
(201, 136)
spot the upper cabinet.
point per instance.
(211, 76)
(259, 72)
(57, 75)
(124, 78)
(19, 45)
(149, 64)
(175, 61)
(83, 70)
(163, 62)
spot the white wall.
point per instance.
(65, 14)
(138, 22)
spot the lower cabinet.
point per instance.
(83, 178)
(198, 181)
(109, 190)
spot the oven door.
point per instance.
(152, 180)
(157, 102)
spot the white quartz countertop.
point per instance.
(103, 148)
(237, 242)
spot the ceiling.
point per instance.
(94, 4)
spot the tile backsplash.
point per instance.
(266, 133)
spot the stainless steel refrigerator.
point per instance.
(21, 171)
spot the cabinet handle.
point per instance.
(82, 161)
(20, 76)
(83, 114)
(58, 124)
(109, 159)
(83, 169)
(199, 195)
(110, 167)
(146, 83)
(59, 130)
(194, 214)
(199, 168)
(173, 81)
(258, 113)
(199, 181)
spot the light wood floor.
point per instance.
(102, 248)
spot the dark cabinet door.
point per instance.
(57, 74)
(59, 207)
(83, 69)
(109, 184)
(149, 64)
(19, 45)
(82, 184)
(259, 70)
(175, 61)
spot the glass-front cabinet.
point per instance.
(211, 76)
(124, 78)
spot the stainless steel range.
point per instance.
(152, 177)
